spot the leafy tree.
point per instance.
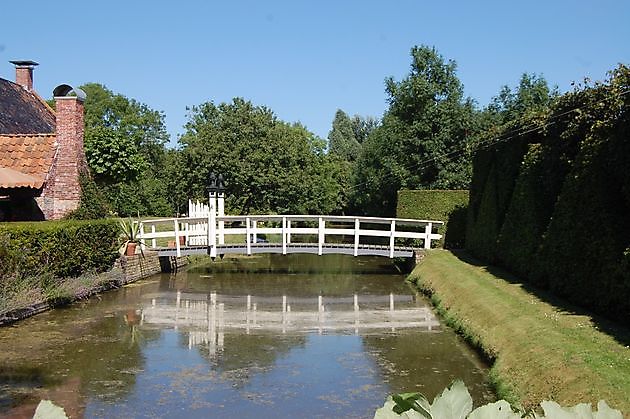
(125, 149)
(532, 95)
(425, 137)
(112, 156)
(129, 118)
(269, 165)
(341, 139)
(363, 127)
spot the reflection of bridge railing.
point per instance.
(192, 234)
(218, 313)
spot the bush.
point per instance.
(447, 206)
(553, 205)
(64, 248)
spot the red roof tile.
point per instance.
(28, 154)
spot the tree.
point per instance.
(341, 138)
(532, 95)
(425, 137)
(269, 165)
(125, 149)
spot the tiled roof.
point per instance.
(28, 154)
(23, 112)
(10, 179)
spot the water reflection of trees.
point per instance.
(427, 362)
(86, 349)
(248, 354)
(294, 275)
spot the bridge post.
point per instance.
(153, 241)
(221, 210)
(392, 234)
(212, 226)
(357, 234)
(254, 234)
(247, 233)
(284, 235)
(288, 231)
(428, 229)
(176, 225)
(321, 236)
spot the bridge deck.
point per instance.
(311, 248)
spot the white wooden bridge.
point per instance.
(213, 233)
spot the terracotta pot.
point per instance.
(131, 249)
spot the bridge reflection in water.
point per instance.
(206, 318)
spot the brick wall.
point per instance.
(24, 76)
(62, 192)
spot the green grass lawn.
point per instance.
(542, 347)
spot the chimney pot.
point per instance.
(24, 73)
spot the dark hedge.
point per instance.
(62, 248)
(449, 206)
(559, 215)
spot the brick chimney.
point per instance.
(24, 73)
(63, 184)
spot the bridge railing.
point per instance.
(194, 231)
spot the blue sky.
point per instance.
(305, 59)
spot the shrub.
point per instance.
(65, 248)
(447, 206)
(553, 205)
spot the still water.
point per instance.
(267, 336)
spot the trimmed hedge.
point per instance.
(447, 206)
(559, 215)
(62, 248)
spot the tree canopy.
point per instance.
(269, 165)
(425, 137)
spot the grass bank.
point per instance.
(542, 348)
(25, 296)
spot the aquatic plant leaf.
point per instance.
(579, 411)
(412, 401)
(387, 412)
(606, 412)
(48, 410)
(496, 410)
(454, 402)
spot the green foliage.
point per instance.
(112, 156)
(64, 248)
(93, 204)
(125, 149)
(424, 139)
(455, 403)
(559, 196)
(447, 206)
(484, 224)
(269, 165)
(129, 119)
(342, 141)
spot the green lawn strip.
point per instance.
(541, 352)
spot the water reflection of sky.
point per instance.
(100, 359)
(326, 376)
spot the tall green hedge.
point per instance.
(62, 248)
(559, 215)
(447, 206)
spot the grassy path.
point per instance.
(541, 351)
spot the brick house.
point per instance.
(41, 149)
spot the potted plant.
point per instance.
(130, 232)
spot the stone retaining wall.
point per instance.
(139, 266)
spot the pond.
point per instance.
(284, 336)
